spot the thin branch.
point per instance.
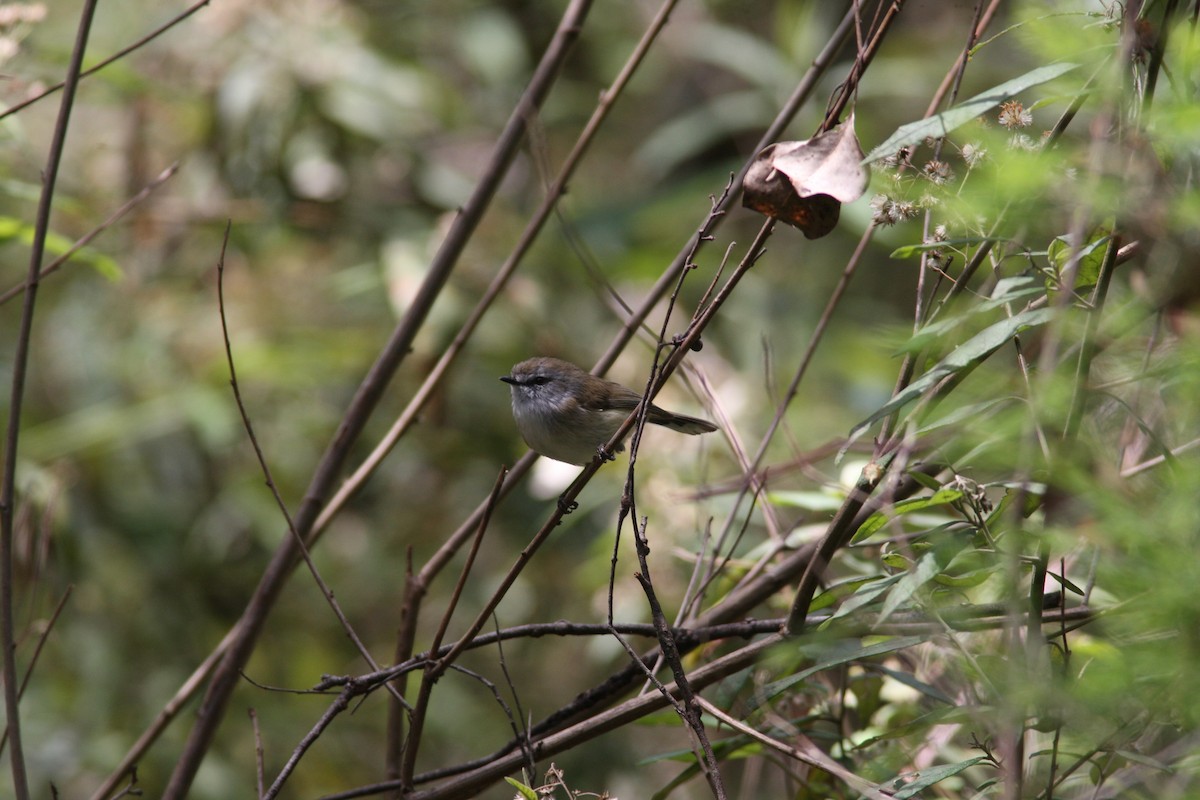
(435, 671)
(750, 480)
(154, 34)
(369, 392)
(266, 470)
(37, 652)
(690, 710)
(258, 754)
(165, 716)
(544, 211)
(87, 238)
(810, 755)
(20, 369)
(470, 784)
(1150, 463)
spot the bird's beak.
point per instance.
(509, 379)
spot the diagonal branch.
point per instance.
(227, 673)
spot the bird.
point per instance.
(567, 414)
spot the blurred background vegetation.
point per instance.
(339, 138)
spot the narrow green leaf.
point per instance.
(811, 501)
(1008, 290)
(965, 357)
(1091, 257)
(965, 580)
(920, 574)
(843, 656)
(908, 679)
(1066, 584)
(522, 789)
(928, 777)
(1145, 761)
(970, 411)
(928, 481)
(839, 590)
(881, 518)
(910, 250)
(10, 228)
(941, 124)
(56, 244)
(865, 595)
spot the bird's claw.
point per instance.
(565, 508)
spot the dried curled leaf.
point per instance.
(805, 183)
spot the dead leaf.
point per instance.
(805, 183)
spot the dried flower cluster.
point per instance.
(1013, 115)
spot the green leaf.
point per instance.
(1032, 495)
(842, 655)
(941, 124)
(910, 250)
(922, 724)
(811, 501)
(972, 411)
(522, 789)
(965, 580)
(1065, 583)
(919, 575)
(924, 688)
(928, 481)
(962, 359)
(880, 518)
(1091, 257)
(866, 595)
(928, 777)
(1008, 290)
(839, 590)
(1145, 761)
(56, 244)
(10, 228)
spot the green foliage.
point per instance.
(946, 122)
(1027, 269)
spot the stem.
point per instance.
(370, 391)
(20, 371)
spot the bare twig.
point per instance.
(165, 716)
(154, 34)
(86, 239)
(690, 708)
(810, 754)
(20, 368)
(545, 209)
(435, 671)
(37, 652)
(258, 754)
(362, 405)
(266, 470)
(470, 784)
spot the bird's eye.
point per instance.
(540, 380)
